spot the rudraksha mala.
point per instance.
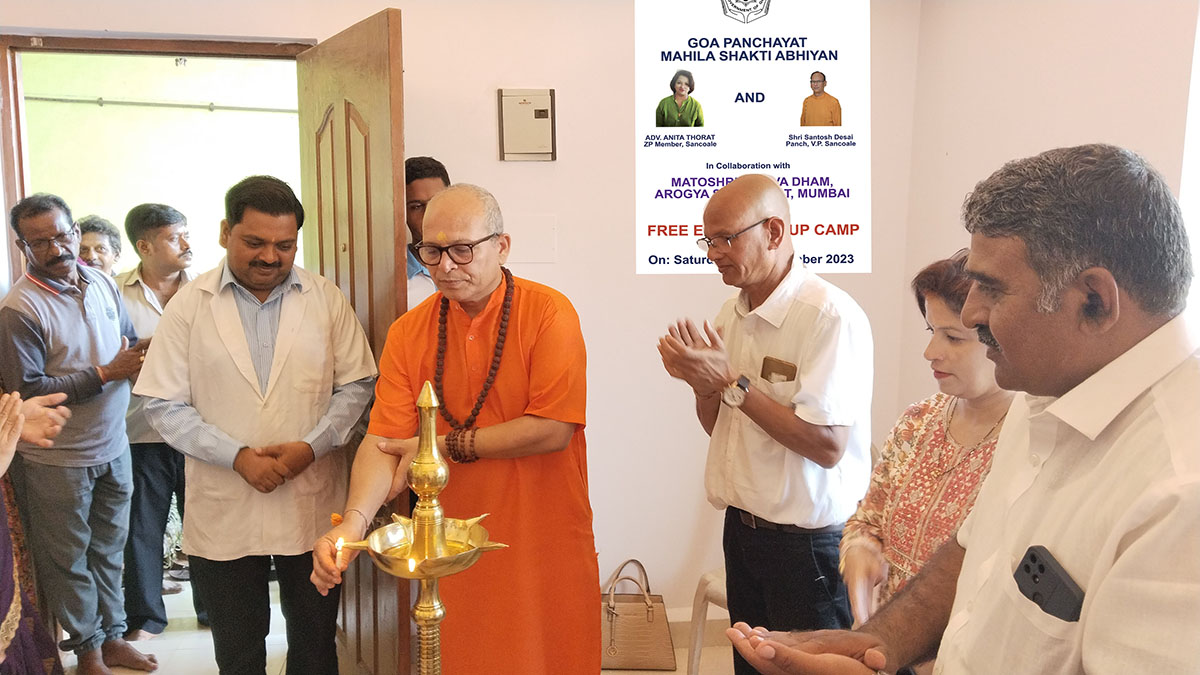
(454, 439)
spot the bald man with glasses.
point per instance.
(782, 382)
(507, 361)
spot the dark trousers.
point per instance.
(157, 474)
(239, 609)
(782, 580)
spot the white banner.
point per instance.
(750, 66)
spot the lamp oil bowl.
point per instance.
(391, 548)
(427, 546)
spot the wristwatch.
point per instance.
(734, 395)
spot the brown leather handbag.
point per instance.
(634, 634)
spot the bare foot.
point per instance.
(139, 634)
(118, 652)
(91, 663)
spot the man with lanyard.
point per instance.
(259, 371)
(65, 330)
(508, 364)
(783, 387)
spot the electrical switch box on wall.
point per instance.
(527, 125)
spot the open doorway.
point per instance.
(350, 137)
(14, 49)
(109, 131)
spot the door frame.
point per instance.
(14, 162)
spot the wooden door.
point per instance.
(352, 160)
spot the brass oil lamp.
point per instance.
(429, 545)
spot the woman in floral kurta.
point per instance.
(26, 647)
(935, 458)
(921, 489)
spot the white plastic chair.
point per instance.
(710, 590)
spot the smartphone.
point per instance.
(1044, 581)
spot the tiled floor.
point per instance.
(716, 660)
(186, 649)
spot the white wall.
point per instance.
(947, 87)
(96, 156)
(1189, 196)
(1002, 80)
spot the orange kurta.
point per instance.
(531, 608)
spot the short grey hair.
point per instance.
(491, 208)
(1089, 206)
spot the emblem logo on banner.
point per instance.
(745, 10)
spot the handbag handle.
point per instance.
(616, 575)
(612, 601)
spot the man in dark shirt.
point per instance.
(65, 329)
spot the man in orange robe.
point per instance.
(513, 369)
(821, 109)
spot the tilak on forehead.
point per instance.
(441, 237)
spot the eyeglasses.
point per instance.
(816, 81)
(706, 243)
(461, 254)
(61, 240)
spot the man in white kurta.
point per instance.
(258, 372)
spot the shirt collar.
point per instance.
(774, 309)
(415, 268)
(292, 280)
(56, 286)
(1093, 404)
(134, 276)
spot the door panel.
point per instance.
(352, 159)
(326, 198)
(358, 158)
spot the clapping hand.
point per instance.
(863, 568)
(11, 423)
(696, 357)
(44, 418)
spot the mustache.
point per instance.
(274, 265)
(65, 257)
(985, 336)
